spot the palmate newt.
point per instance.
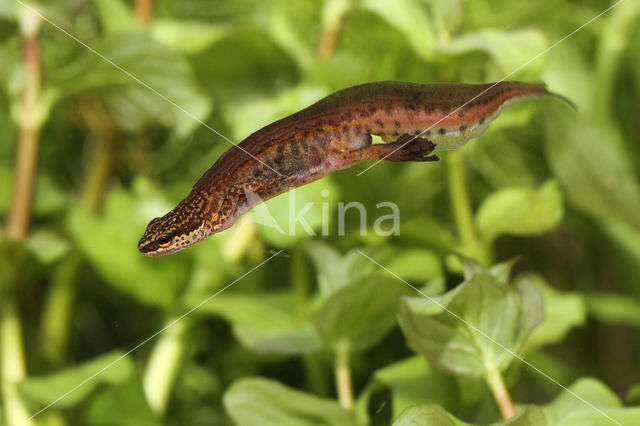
(334, 133)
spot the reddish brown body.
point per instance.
(334, 133)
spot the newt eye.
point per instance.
(163, 239)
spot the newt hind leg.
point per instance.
(405, 148)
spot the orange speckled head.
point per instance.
(176, 230)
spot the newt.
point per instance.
(415, 120)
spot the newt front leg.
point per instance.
(405, 148)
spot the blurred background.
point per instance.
(94, 144)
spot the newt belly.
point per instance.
(335, 133)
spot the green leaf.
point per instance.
(295, 26)
(569, 410)
(265, 323)
(614, 309)
(414, 381)
(44, 390)
(335, 271)
(416, 264)
(133, 105)
(566, 410)
(595, 172)
(427, 232)
(427, 415)
(110, 243)
(47, 246)
(633, 394)
(262, 402)
(121, 405)
(297, 214)
(508, 49)
(189, 37)
(487, 311)
(116, 17)
(500, 271)
(520, 211)
(410, 18)
(562, 312)
(434, 415)
(361, 313)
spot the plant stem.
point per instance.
(313, 366)
(461, 207)
(460, 203)
(300, 282)
(56, 314)
(500, 392)
(17, 226)
(612, 44)
(98, 172)
(143, 10)
(332, 15)
(56, 317)
(13, 367)
(344, 386)
(163, 366)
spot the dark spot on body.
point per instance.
(428, 133)
(367, 129)
(397, 123)
(442, 131)
(481, 121)
(379, 123)
(412, 107)
(463, 128)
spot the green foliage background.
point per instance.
(554, 189)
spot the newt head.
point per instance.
(172, 232)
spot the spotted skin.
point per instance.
(332, 134)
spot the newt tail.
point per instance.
(415, 120)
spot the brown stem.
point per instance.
(144, 11)
(102, 156)
(333, 13)
(17, 225)
(500, 393)
(13, 368)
